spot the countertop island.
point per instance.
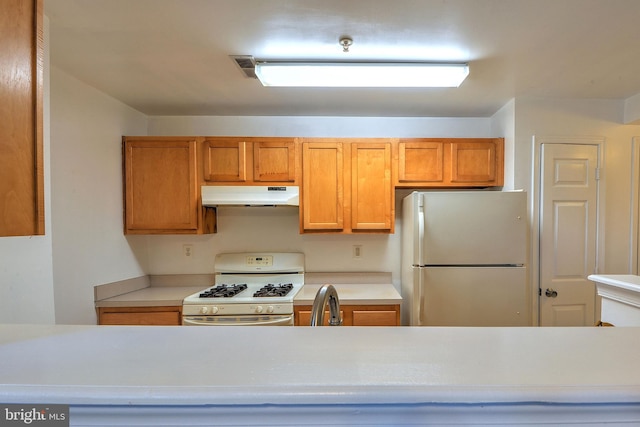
(324, 376)
(620, 296)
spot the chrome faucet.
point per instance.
(326, 294)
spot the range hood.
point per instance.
(238, 195)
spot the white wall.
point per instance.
(503, 124)
(381, 127)
(89, 247)
(26, 283)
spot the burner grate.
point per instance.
(271, 290)
(223, 291)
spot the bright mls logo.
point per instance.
(34, 415)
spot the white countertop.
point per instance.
(170, 290)
(625, 281)
(353, 288)
(623, 288)
(620, 298)
(151, 296)
(410, 371)
(353, 294)
(175, 365)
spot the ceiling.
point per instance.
(172, 57)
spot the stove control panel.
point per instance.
(237, 309)
(260, 261)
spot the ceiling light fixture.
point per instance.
(361, 74)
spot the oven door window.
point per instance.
(284, 320)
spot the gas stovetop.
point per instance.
(250, 283)
(253, 289)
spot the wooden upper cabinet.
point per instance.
(420, 162)
(21, 146)
(323, 186)
(275, 161)
(347, 186)
(225, 160)
(161, 187)
(371, 188)
(477, 162)
(250, 161)
(449, 163)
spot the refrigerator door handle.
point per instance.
(420, 223)
(419, 303)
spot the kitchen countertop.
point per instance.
(353, 294)
(151, 296)
(624, 281)
(353, 288)
(148, 291)
(170, 290)
(294, 376)
(620, 298)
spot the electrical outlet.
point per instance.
(187, 250)
(357, 251)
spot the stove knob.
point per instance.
(270, 309)
(214, 310)
(259, 309)
(204, 310)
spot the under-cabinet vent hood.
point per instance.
(250, 195)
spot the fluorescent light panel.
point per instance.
(360, 74)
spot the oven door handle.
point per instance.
(284, 320)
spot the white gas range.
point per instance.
(249, 289)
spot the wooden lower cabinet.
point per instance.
(355, 315)
(161, 315)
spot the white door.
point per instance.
(568, 234)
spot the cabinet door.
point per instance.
(274, 161)
(21, 149)
(140, 316)
(375, 318)
(450, 163)
(354, 315)
(303, 318)
(322, 186)
(225, 160)
(371, 188)
(477, 162)
(420, 162)
(161, 193)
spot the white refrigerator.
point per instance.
(464, 259)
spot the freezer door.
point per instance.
(474, 227)
(474, 296)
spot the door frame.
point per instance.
(634, 227)
(537, 143)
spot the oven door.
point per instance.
(246, 320)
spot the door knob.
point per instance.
(551, 293)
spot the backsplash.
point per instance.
(272, 229)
